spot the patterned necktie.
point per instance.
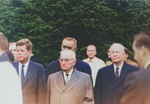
(67, 79)
(22, 73)
(117, 72)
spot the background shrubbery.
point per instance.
(96, 22)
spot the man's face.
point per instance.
(91, 52)
(66, 62)
(138, 56)
(23, 54)
(12, 48)
(68, 45)
(117, 54)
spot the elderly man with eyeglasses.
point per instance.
(68, 43)
(69, 86)
(110, 79)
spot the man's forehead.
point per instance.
(22, 46)
(116, 47)
(12, 46)
(90, 48)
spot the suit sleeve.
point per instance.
(98, 89)
(48, 91)
(89, 92)
(41, 86)
(87, 68)
(132, 91)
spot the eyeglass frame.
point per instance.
(65, 60)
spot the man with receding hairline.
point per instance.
(68, 43)
(69, 86)
(110, 79)
(94, 62)
(137, 84)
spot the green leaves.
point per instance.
(96, 22)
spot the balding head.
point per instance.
(69, 53)
(91, 51)
(67, 60)
(117, 53)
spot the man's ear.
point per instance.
(30, 51)
(61, 47)
(75, 62)
(144, 50)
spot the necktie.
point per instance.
(22, 73)
(117, 72)
(67, 79)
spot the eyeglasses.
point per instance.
(65, 60)
(117, 52)
(67, 47)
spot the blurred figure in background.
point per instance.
(126, 57)
(12, 48)
(4, 56)
(10, 85)
(137, 85)
(94, 62)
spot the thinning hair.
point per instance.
(72, 54)
(3, 42)
(142, 39)
(91, 45)
(26, 42)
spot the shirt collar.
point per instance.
(120, 66)
(26, 64)
(70, 73)
(91, 59)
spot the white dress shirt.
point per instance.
(25, 68)
(120, 68)
(65, 77)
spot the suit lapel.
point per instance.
(111, 75)
(16, 65)
(29, 72)
(60, 80)
(73, 79)
(124, 72)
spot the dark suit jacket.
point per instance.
(137, 88)
(34, 85)
(109, 89)
(55, 67)
(78, 90)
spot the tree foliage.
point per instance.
(100, 23)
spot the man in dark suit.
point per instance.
(68, 43)
(32, 74)
(137, 84)
(110, 79)
(69, 86)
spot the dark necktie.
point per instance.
(117, 72)
(67, 79)
(22, 73)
